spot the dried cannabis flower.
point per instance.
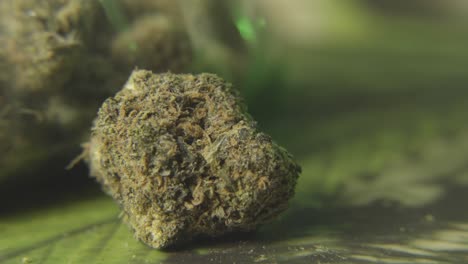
(183, 158)
(154, 42)
(42, 41)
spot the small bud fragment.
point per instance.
(183, 159)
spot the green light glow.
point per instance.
(246, 29)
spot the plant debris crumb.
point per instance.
(182, 157)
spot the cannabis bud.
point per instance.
(181, 156)
(155, 42)
(43, 41)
